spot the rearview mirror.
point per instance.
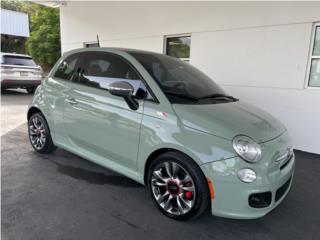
(125, 90)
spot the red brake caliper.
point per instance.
(188, 194)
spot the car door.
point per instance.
(100, 125)
(56, 87)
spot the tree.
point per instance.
(44, 42)
(12, 5)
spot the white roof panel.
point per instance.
(14, 23)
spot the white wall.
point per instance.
(256, 51)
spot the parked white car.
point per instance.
(19, 71)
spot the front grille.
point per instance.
(281, 191)
(260, 200)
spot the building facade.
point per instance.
(265, 53)
(14, 31)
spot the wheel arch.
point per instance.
(157, 153)
(32, 111)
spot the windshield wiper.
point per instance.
(218, 96)
(182, 95)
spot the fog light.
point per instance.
(247, 175)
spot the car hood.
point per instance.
(227, 120)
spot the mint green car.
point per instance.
(166, 125)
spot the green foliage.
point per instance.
(44, 41)
(12, 5)
(12, 44)
(179, 49)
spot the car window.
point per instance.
(18, 60)
(67, 67)
(180, 81)
(101, 69)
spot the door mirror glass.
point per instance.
(125, 90)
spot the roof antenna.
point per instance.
(98, 40)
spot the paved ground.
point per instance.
(61, 196)
(14, 104)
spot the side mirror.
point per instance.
(125, 90)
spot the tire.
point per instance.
(39, 134)
(192, 191)
(31, 90)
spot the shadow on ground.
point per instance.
(62, 196)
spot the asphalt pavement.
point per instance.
(62, 196)
(14, 105)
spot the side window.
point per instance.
(102, 69)
(67, 67)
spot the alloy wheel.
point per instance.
(37, 133)
(173, 188)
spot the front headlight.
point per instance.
(247, 148)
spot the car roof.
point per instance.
(109, 49)
(15, 54)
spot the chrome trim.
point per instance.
(118, 89)
(287, 155)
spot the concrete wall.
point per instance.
(258, 52)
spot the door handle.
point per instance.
(71, 100)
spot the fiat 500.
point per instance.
(166, 125)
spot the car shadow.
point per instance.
(93, 177)
(13, 92)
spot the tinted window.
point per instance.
(102, 69)
(180, 81)
(67, 67)
(17, 60)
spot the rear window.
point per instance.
(17, 60)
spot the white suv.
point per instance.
(19, 71)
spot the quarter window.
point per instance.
(314, 74)
(178, 46)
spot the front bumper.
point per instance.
(232, 195)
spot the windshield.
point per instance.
(180, 81)
(17, 60)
